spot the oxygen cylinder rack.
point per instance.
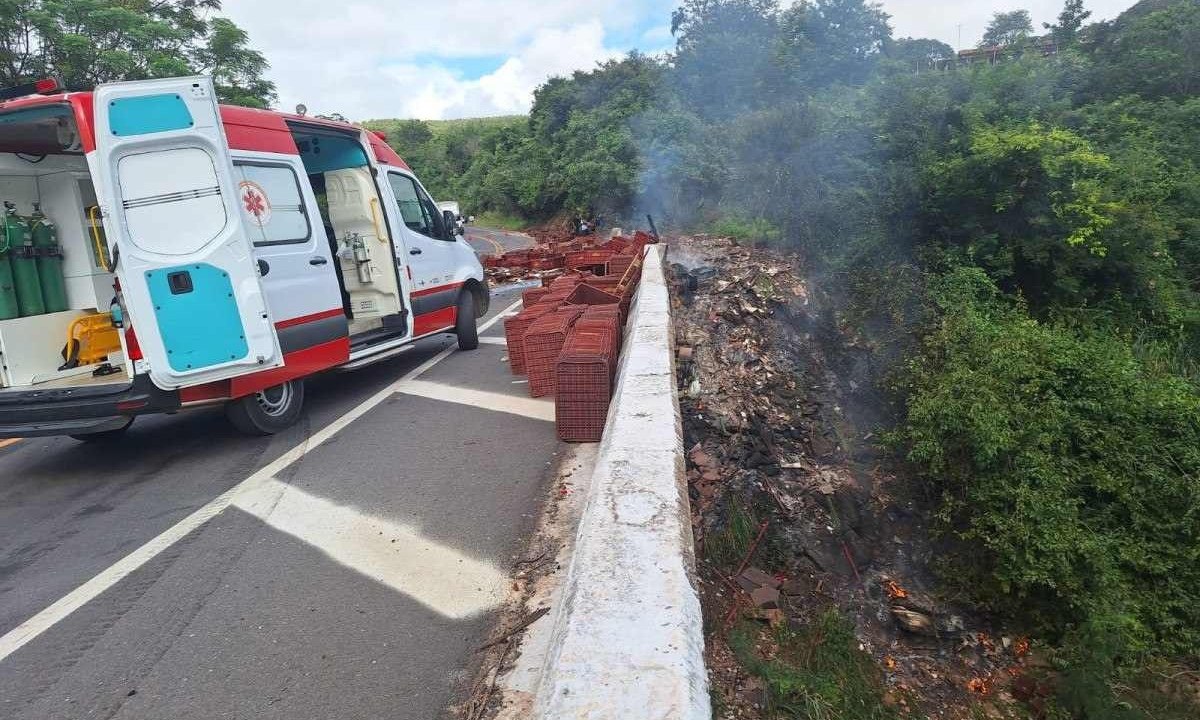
(49, 256)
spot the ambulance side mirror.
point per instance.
(451, 225)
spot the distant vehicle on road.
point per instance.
(206, 254)
(452, 206)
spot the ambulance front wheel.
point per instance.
(464, 324)
(268, 411)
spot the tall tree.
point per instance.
(1008, 28)
(1070, 21)
(920, 52)
(724, 54)
(87, 42)
(832, 41)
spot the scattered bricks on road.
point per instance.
(610, 315)
(584, 381)
(532, 296)
(588, 259)
(543, 342)
(514, 334)
(585, 294)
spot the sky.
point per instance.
(439, 59)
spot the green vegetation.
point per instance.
(447, 154)
(814, 673)
(87, 42)
(495, 219)
(727, 547)
(1069, 470)
(576, 151)
(1025, 234)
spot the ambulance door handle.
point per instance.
(318, 260)
(415, 251)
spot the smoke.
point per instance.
(760, 122)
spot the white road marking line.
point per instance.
(489, 340)
(444, 580)
(515, 405)
(505, 313)
(22, 634)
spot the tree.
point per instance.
(1029, 204)
(920, 53)
(1070, 20)
(88, 42)
(832, 41)
(412, 133)
(1152, 54)
(237, 70)
(1008, 28)
(724, 54)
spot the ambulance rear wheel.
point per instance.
(268, 411)
(106, 435)
(464, 325)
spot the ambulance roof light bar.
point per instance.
(45, 86)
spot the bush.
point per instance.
(754, 230)
(1071, 472)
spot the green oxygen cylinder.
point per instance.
(8, 291)
(49, 261)
(24, 263)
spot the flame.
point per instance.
(1021, 647)
(980, 685)
(894, 591)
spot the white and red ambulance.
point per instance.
(225, 253)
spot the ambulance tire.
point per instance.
(464, 325)
(106, 436)
(268, 411)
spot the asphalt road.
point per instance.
(487, 241)
(353, 582)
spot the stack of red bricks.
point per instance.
(584, 375)
(567, 340)
(558, 250)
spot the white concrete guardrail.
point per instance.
(627, 643)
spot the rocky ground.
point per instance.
(797, 510)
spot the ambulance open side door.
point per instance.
(185, 264)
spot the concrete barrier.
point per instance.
(627, 641)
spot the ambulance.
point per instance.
(162, 252)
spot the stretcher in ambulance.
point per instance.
(161, 252)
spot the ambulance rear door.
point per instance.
(189, 279)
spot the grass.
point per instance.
(814, 673)
(501, 221)
(726, 548)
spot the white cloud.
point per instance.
(942, 20)
(374, 58)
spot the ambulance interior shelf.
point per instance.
(55, 289)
